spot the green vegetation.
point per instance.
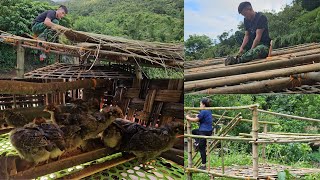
(296, 24)
(146, 20)
(292, 154)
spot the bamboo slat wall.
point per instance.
(293, 69)
(156, 102)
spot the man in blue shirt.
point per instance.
(205, 129)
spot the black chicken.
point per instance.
(144, 142)
(14, 119)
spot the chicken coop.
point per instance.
(117, 83)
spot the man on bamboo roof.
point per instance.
(44, 22)
(256, 41)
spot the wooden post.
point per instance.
(209, 155)
(20, 60)
(138, 79)
(189, 175)
(255, 130)
(265, 130)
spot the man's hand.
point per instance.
(240, 51)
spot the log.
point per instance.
(263, 75)
(264, 86)
(23, 88)
(267, 65)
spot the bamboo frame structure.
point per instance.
(255, 138)
(115, 49)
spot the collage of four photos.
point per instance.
(160, 89)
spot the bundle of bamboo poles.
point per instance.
(287, 68)
(117, 49)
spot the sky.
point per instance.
(213, 17)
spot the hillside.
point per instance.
(140, 19)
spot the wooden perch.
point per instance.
(61, 164)
(23, 88)
(88, 171)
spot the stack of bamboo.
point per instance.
(292, 69)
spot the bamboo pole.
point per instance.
(242, 78)
(209, 155)
(265, 130)
(189, 174)
(264, 86)
(61, 164)
(219, 174)
(255, 153)
(274, 136)
(286, 141)
(315, 76)
(294, 50)
(297, 134)
(235, 138)
(99, 167)
(247, 120)
(289, 116)
(23, 88)
(221, 108)
(20, 60)
(267, 65)
(222, 156)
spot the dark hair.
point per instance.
(243, 5)
(64, 8)
(206, 102)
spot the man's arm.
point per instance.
(258, 38)
(196, 119)
(244, 42)
(48, 22)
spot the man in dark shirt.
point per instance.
(42, 25)
(256, 41)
